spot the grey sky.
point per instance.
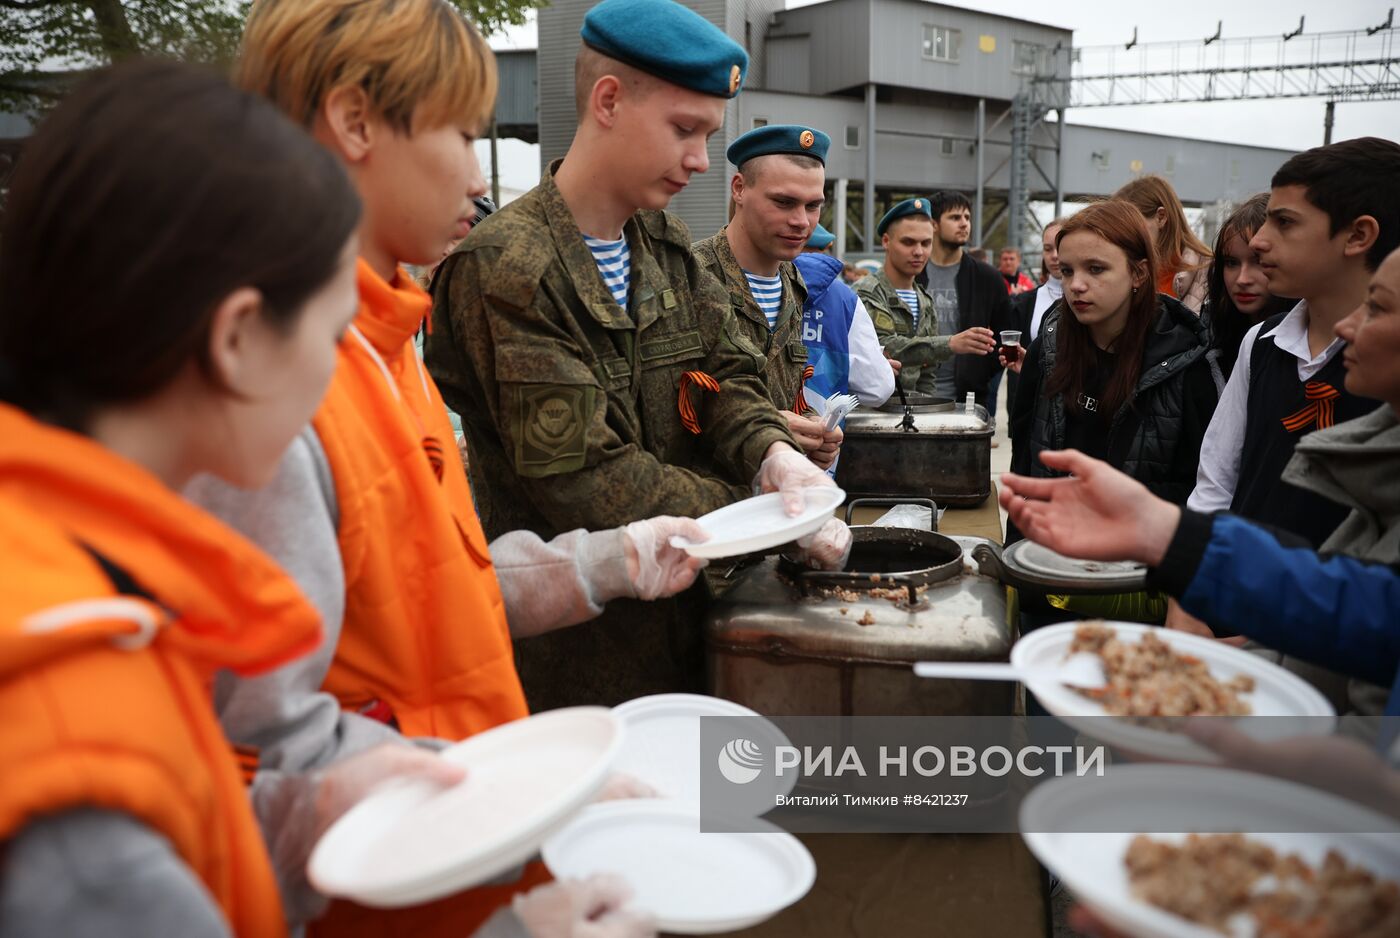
(1294, 124)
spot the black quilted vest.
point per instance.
(1144, 434)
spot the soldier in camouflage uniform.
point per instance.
(784, 355)
(919, 349)
(777, 197)
(583, 411)
(912, 336)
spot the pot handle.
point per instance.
(990, 563)
(887, 502)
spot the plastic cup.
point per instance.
(1010, 345)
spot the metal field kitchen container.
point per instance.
(787, 641)
(936, 450)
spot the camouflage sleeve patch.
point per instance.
(883, 321)
(551, 427)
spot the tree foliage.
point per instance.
(44, 43)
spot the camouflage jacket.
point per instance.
(570, 408)
(785, 357)
(920, 351)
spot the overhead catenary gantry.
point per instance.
(1351, 65)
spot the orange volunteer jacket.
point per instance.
(424, 638)
(425, 629)
(106, 697)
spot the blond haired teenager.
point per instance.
(370, 511)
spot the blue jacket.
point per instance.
(1335, 611)
(826, 323)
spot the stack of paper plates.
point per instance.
(693, 883)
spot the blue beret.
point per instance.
(672, 42)
(779, 138)
(919, 206)
(820, 239)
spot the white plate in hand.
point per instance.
(662, 744)
(1277, 692)
(412, 842)
(760, 522)
(692, 883)
(1058, 818)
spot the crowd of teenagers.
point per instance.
(247, 577)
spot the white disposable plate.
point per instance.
(1277, 693)
(760, 522)
(693, 883)
(662, 745)
(1091, 864)
(413, 842)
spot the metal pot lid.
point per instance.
(878, 561)
(1039, 564)
(943, 418)
(916, 402)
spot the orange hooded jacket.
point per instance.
(425, 628)
(424, 637)
(106, 697)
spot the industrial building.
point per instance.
(916, 96)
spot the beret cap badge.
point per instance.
(793, 139)
(735, 75)
(916, 206)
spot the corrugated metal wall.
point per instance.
(1100, 160)
(558, 26)
(985, 59)
(838, 34)
(518, 97)
(748, 23)
(789, 65)
(704, 202)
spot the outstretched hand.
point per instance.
(1098, 513)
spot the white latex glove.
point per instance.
(656, 568)
(786, 470)
(829, 548)
(590, 908)
(342, 785)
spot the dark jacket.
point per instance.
(1156, 437)
(1022, 309)
(982, 301)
